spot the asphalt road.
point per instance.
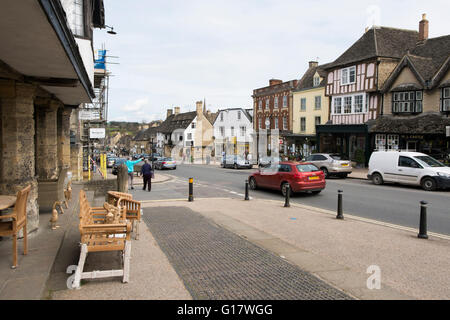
(389, 203)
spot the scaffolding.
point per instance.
(94, 116)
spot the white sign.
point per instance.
(89, 115)
(97, 133)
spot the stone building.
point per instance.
(46, 71)
(416, 108)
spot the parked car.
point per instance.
(331, 164)
(110, 162)
(116, 165)
(236, 162)
(266, 161)
(413, 168)
(299, 176)
(165, 163)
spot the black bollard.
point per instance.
(287, 196)
(246, 190)
(340, 215)
(191, 190)
(423, 220)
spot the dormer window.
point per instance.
(445, 99)
(316, 81)
(407, 102)
(348, 75)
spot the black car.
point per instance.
(116, 165)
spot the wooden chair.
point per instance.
(131, 207)
(18, 221)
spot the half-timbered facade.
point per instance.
(353, 87)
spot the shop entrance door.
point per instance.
(411, 145)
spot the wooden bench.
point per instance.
(98, 236)
(132, 208)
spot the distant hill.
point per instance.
(128, 128)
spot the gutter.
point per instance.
(57, 18)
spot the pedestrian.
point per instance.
(130, 165)
(147, 174)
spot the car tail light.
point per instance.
(164, 163)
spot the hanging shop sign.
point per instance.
(97, 133)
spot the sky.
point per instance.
(173, 53)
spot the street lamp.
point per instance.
(111, 31)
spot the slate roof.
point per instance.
(307, 81)
(378, 42)
(177, 121)
(429, 61)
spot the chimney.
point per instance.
(176, 110)
(199, 105)
(273, 82)
(169, 113)
(313, 64)
(423, 28)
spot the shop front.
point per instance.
(352, 142)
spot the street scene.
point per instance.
(152, 152)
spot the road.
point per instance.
(388, 203)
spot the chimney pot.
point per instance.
(169, 112)
(177, 110)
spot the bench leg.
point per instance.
(126, 262)
(79, 271)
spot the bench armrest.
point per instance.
(9, 216)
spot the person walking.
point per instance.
(147, 173)
(130, 165)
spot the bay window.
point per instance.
(351, 104)
(407, 102)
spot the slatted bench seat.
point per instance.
(131, 207)
(97, 236)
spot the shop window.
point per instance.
(392, 141)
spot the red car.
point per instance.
(300, 176)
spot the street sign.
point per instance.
(97, 133)
(89, 115)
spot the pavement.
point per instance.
(228, 248)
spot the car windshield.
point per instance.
(307, 168)
(428, 161)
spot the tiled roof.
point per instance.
(307, 81)
(177, 121)
(378, 42)
(429, 61)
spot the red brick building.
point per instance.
(272, 107)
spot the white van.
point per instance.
(412, 168)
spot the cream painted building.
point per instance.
(310, 108)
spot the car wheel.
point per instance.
(235, 166)
(377, 179)
(428, 184)
(325, 172)
(252, 183)
(284, 188)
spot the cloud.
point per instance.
(173, 53)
